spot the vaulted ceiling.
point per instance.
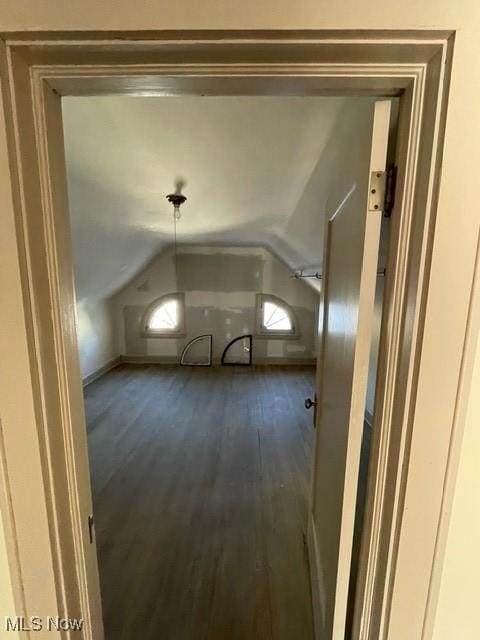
(250, 168)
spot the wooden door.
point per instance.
(350, 267)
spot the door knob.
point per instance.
(310, 403)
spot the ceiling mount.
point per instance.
(176, 199)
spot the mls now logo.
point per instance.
(36, 623)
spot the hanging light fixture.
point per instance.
(177, 199)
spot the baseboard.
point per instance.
(149, 359)
(175, 360)
(290, 361)
(313, 563)
(95, 375)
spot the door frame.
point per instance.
(42, 411)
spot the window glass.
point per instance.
(275, 318)
(165, 316)
(198, 352)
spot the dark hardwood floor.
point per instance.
(200, 479)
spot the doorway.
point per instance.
(197, 364)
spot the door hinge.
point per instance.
(381, 195)
(390, 190)
(90, 528)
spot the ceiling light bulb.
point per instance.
(176, 199)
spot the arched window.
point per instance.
(165, 317)
(275, 317)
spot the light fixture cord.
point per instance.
(175, 248)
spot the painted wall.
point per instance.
(121, 161)
(460, 581)
(95, 334)
(220, 286)
(92, 241)
(7, 607)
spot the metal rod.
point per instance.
(316, 275)
(319, 276)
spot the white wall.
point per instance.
(458, 615)
(220, 285)
(95, 335)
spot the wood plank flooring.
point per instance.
(200, 479)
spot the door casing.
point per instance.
(47, 428)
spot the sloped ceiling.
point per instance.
(247, 165)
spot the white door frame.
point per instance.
(46, 495)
